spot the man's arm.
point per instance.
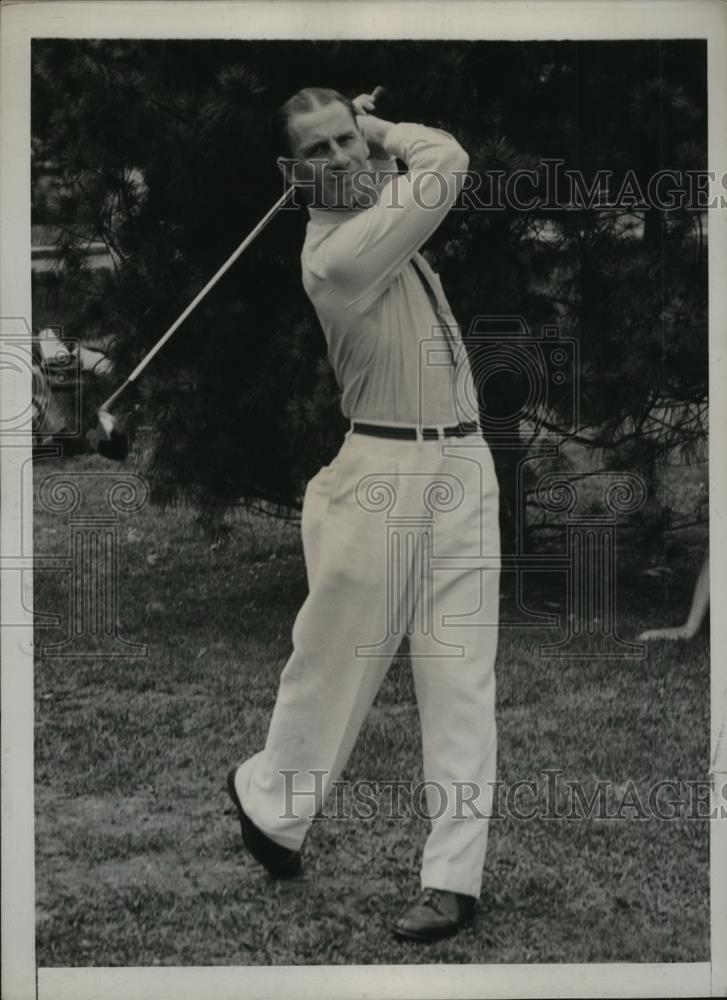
(370, 250)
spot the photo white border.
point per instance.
(461, 19)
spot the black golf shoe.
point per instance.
(437, 914)
(280, 862)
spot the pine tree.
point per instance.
(162, 150)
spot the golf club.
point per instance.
(108, 438)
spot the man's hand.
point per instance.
(669, 634)
(374, 129)
(364, 103)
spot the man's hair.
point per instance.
(308, 99)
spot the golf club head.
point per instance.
(108, 438)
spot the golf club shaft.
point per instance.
(198, 298)
(375, 94)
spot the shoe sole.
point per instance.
(286, 870)
(401, 935)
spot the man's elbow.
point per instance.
(452, 158)
(458, 162)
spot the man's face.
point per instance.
(328, 151)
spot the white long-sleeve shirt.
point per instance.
(394, 345)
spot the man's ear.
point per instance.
(363, 135)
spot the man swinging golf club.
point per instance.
(413, 482)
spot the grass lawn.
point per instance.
(139, 860)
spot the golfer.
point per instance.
(400, 531)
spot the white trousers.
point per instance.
(399, 537)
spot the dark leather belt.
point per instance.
(411, 433)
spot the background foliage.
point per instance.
(162, 150)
